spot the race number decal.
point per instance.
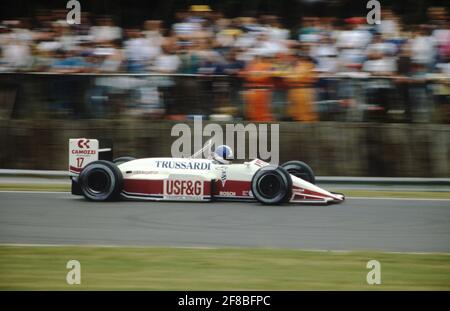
(80, 162)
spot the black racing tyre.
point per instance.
(301, 170)
(272, 185)
(121, 160)
(101, 181)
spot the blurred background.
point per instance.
(352, 99)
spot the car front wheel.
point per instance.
(272, 185)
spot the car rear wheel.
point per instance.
(101, 181)
(301, 170)
(121, 160)
(272, 185)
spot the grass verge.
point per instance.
(126, 268)
(34, 187)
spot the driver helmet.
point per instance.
(223, 154)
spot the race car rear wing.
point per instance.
(83, 151)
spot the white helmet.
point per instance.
(223, 154)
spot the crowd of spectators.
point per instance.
(255, 49)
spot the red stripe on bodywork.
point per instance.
(74, 169)
(143, 186)
(240, 187)
(305, 197)
(310, 192)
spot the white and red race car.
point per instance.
(99, 178)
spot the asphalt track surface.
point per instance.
(357, 224)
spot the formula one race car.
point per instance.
(205, 176)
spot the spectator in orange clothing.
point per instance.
(259, 85)
(301, 79)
